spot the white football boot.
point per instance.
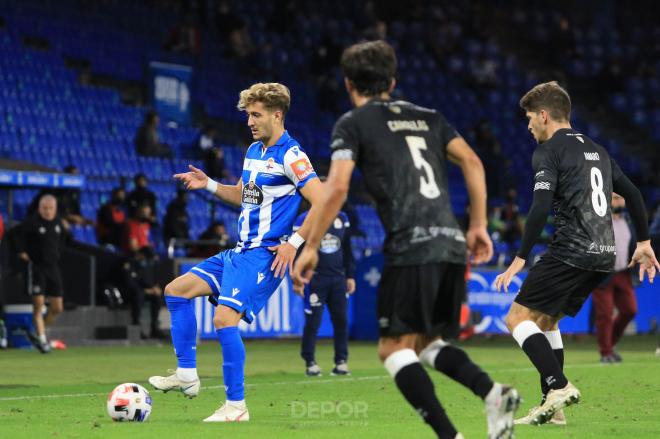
(501, 404)
(230, 412)
(556, 400)
(190, 389)
(557, 419)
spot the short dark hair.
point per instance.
(370, 66)
(551, 97)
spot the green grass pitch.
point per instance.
(63, 395)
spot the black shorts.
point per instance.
(554, 287)
(44, 280)
(424, 299)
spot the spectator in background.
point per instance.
(137, 230)
(141, 195)
(185, 37)
(143, 285)
(147, 141)
(226, 21)
(216, 231)
(617, 290)
(491, 155)
(68, 201)
(508, 222)
(484, 72)
(213, 156)
(41, 239)
(176, 220)
(563, 41)
(376, 32)
(110, 219)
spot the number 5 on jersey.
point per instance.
(427, 185)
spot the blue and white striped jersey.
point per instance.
(272, 178)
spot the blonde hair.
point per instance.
(273, 95)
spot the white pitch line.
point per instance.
(317, 381)
(70, 395)
(279, 383)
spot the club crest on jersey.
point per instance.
(270, 164)
(302, 168)
(330, 244)
(252, 194)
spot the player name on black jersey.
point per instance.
(580, 172)
(401, 150)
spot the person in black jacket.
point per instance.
(176, 219)
(110, 219)
(40, 242)
(147, 141)
(140, 195)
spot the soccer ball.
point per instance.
(129, 402)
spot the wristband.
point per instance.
(211, 185)
(296, 240)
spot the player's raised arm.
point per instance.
(196, 179)
(478, 240)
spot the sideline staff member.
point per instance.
(40, 241)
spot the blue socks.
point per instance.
(184, 330)
(233, 355)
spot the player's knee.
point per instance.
(511, 321)
(225, 317)
(387, 346)
(172, 289)
(384, 352)
(219, 322)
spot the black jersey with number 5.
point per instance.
(580, 173)
(401, 150)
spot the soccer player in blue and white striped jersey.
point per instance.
(276, 173)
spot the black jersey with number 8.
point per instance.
(580, 173)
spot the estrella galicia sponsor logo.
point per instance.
(252, 194)
(330, 244)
